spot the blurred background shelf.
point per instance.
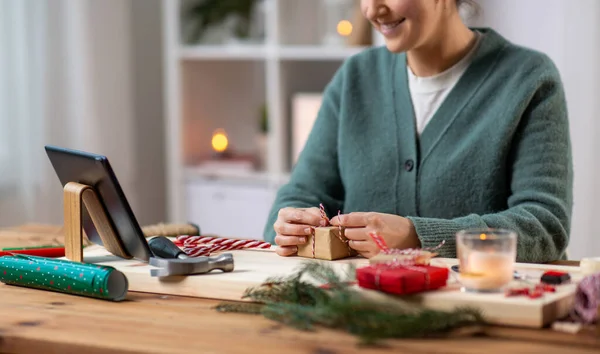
(317, 52)
(261, 52)
(223, 52)
(259, 86)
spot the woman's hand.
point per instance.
(397, 231)
(292, 226)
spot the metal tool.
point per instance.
(173, 261)
(189, 266)
(164, 248)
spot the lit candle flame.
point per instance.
(344, 28)
(220, 141)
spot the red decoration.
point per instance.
(401, 280)
(533, 293)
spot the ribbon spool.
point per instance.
(589, 266)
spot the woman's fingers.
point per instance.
(358, 234)
(360, 240)
(360, 246)
(357, 219)
(284, 228)
(284, 240)
(308, 216)
(286, 250)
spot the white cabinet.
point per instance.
(229, 208)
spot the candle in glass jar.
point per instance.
(486, 271)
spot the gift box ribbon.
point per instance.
(327, 222)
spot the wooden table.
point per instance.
(41, 321)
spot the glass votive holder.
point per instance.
(486, 259)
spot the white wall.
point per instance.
(569, 32)
(97, 74)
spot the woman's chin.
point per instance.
(396, 46)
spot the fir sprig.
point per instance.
(300, 302)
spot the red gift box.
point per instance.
(402, 280)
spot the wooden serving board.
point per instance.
(253, 267)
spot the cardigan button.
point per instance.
(409, 165)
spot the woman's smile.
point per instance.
(390, 28)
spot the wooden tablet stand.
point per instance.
(76, 196)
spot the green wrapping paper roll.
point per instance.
(64, 276)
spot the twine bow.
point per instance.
(327, 222)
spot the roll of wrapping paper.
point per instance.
(64, 276)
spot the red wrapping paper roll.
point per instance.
(402, 280)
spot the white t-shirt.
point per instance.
(428, 93)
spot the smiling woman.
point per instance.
(443, 129)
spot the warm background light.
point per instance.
(344, 28)
(220, 141)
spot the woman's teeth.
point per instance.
(390, 27)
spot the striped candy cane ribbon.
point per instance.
(210, 240)
(195, 246)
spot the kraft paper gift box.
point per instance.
(327, 245)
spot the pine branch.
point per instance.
(250, 308)
(304, 305)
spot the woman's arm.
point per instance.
(315, 178)
(540, 206)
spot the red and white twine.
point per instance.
(196, 246)
(327, 222)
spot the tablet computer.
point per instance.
(95, 171)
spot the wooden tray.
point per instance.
(252, 267)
